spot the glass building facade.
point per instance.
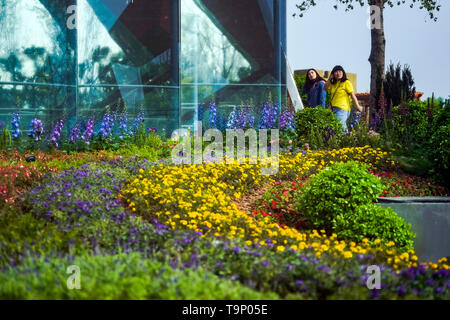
(77, 59)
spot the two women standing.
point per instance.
(340, 90)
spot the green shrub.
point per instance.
(22, 232)
(440, 154)
(410, 122)
(335, 192)
(124, 276)
(374, 222)
(361, 136)
(340, 200)
(314, 126)
(442, 118)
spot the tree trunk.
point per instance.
(377, 59)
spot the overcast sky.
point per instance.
(325, 37)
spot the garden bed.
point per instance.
(149, 215)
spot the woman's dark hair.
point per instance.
(309, 83)
(337, 68)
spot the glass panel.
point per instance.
(35, 44)
(159, 105)
(124, 42)
(47, 102)
(228, 54)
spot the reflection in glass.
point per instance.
(231, 53)
(127, 52)
(125, 42)
(125, 48)
(35, 44)
(156, 103)
(48, 103)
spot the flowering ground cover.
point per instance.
(185, 238)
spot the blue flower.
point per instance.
(15, 124)
(212, 115)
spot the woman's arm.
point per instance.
(322, 94)
(355, 101)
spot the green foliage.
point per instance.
(123, 276)
(442, 118)
(335, 192)
(5, 139)
(300, 82)
(311, 126)
(140, 138)
(398, 85)
(361, 136)
(414, 120)
(21, 232)
(372, 222)
(340, 199)
(431, 6)
(440, 153)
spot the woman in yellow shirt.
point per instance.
(341, 90)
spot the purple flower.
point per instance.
(324, 269)
(36, 129)
(56, 134)
(299, 283)
(265, 263)
(289, 267)
(374, 294)
(74, 133)
(212, 115)
(401, 290)
(88, 132)
(123, 125)
(287, 121)
(430, 282)
(137, 123)
(106, 126)
(268, 119)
